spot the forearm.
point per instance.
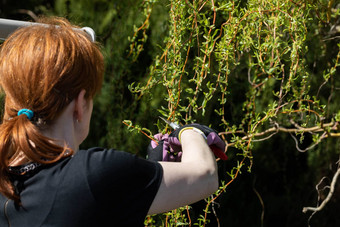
(200, 159)
(197, 154)
(196, 150)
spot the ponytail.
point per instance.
(20, 137)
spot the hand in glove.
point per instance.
(216, 144)
(169, 147)
(162, 150)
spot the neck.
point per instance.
(62, 132)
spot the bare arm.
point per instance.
(188, 181)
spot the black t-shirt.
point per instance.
(96, 187)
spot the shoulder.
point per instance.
(113, 172)
(102, 162)
(102, 156)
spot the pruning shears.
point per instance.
(173, 125)
(217, 151)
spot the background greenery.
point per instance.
(262, 73)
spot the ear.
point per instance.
(80, 103)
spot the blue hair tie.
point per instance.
(27, 112)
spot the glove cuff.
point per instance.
(192, 128)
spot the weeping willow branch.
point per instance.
(259, 51)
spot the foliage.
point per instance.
(262, 73)
(220, 54)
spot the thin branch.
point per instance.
(261, 201)
(335, 37)
(265, 138)
(29, 13)
(141, 131)
(322, 189)
(214, 211)
(310, 147)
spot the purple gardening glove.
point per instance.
(216, 144)
(162, 151)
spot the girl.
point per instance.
(49, 75)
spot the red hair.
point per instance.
(42, 68)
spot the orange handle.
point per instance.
(218, 152)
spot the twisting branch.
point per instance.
(276, 129)
(327, 199)
(310, 147)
